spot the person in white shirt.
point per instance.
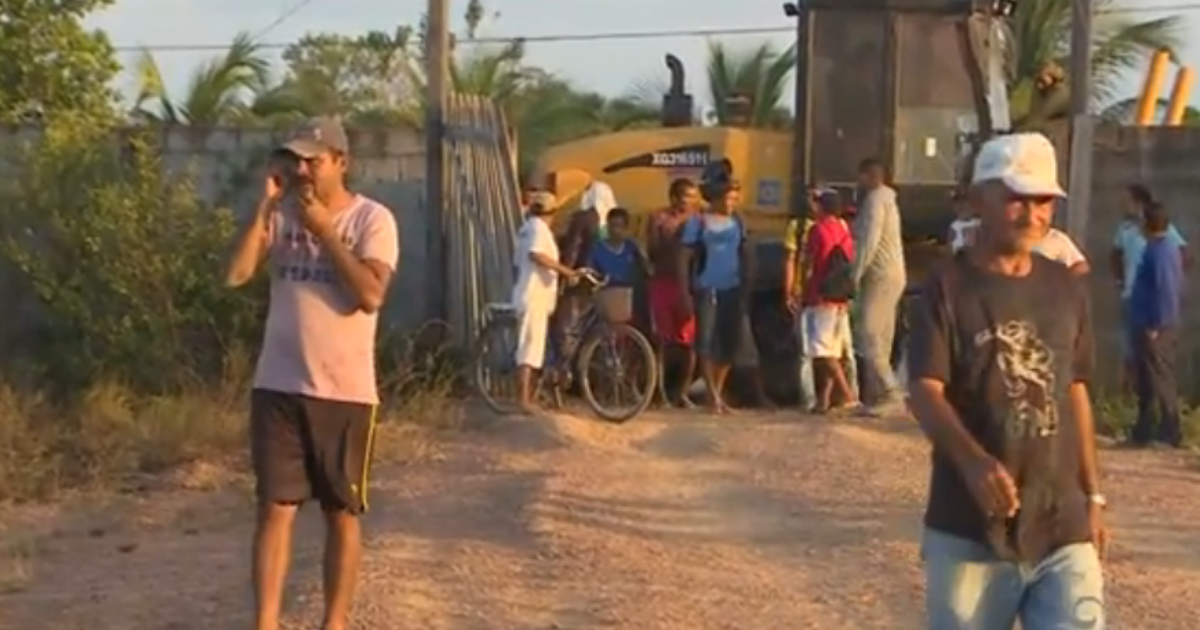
(1055, 245)
(962, 232)
(600, 197)
(964, 226)
(1059, 247)
(535, 293)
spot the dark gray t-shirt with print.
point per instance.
(1008, 350)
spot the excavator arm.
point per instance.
(988, 51)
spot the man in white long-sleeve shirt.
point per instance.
(879, 271)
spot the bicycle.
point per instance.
(588, 338)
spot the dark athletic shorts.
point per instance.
(304, 448)
(718, 324)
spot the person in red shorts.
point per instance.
(674, 326)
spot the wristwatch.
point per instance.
(1096, 498)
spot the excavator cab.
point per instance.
(920, 81)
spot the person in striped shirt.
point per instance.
(795, 238)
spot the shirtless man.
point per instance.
(673, 326)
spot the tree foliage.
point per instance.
(120, 260)
(1042, 30)
(222, 90)
(50, 63)
(360, 76)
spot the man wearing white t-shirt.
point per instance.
(536, 292)
(1059, 247)
(1055, 245)
(332, 254)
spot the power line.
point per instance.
(1184, 7)
(611, 35)
(479, 41)
(283, 17)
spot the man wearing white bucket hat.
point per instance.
(1000, 355)
(535, 294)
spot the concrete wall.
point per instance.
(1167, 161)
(226, 166)
(389, 165)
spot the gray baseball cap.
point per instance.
(316, 136)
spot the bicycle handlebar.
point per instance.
(593, 278)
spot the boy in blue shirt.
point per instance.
(1155, 318)
(615, 256)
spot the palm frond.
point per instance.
(219, 88)
(1123, 45)
(759, 74)
(152, 89)
(496, 73)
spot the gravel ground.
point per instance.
(673, 522)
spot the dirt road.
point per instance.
(755, 522)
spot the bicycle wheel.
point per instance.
(494, 364)
(617, 360)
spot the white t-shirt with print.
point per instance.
(963, 233)
(318, 342)
(1059, 247)
(536, 289)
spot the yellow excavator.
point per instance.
(915, 83)
(918, 84)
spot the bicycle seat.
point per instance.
(501, 307)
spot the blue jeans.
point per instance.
(808, 386)
(967, 588)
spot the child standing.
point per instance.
(615, 256)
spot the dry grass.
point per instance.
(111, 439)
(16, 563)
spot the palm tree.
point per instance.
(1042, 34)
(497, 73)
(235, 86)
(747, 87)
(1122, 112)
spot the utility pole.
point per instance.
(802, 134)
(437, 83)
(1080, 179)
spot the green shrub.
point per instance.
(1115, 417)
(121, 261)
(129, 355)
